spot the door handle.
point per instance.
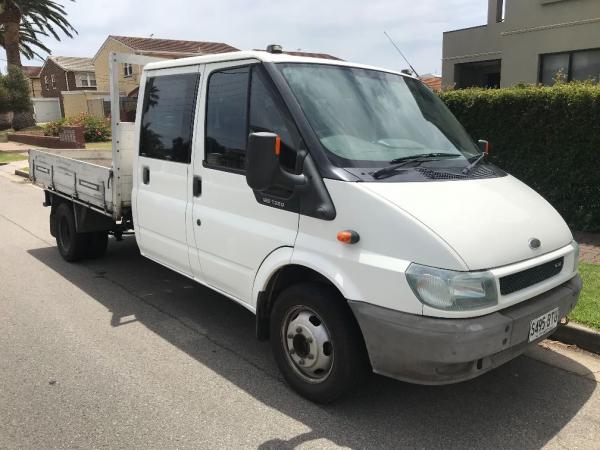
(146, 175)
(197, 186)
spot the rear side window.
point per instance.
(168, 117)
(227, 118)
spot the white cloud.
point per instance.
(350, 29)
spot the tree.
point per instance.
(14, 97)
(22, 22)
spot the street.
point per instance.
(121, 352)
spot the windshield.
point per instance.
(367, 118)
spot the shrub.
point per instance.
(95, 128)
(53, 128)
(22, 120)
(549, 137)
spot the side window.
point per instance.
(226, 118)
(228, 122)
(168, 117)
(268, 113)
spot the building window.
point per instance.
(570, 66)
(46, 85)
(85, 80)
(127, 69)
(53, 79)
(168, 117)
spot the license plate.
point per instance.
(543, 324)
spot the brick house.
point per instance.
(64, 74)
(160, 48)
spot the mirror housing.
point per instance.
(263, 170)
(484, 146)
(262, 160)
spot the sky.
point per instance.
(350, 29)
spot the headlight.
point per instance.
(450, 290)
(576, 257)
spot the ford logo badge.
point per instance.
(534, 243)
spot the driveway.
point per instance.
(121, 352)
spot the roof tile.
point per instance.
(73, 64)
(153, 45)
(32, 71)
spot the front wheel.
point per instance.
(317, 343)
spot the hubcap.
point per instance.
(308, 344)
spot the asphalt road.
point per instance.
(121, 352)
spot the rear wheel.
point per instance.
(71, 245)
(97, 242)
(317, 343)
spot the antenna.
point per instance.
(401, 54)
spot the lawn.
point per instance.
(587, 311)
(105, 145)
(10, 157)
(4, 137)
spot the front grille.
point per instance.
(521, 280)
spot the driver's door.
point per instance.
(233, 232)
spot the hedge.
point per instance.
(548, 137)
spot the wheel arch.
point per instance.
(282, 269)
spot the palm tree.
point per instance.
(22, 22)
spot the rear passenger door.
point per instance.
(161, 181)
(234, 233)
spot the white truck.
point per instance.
(343, 204)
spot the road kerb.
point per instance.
(575, 334)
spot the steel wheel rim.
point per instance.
(307, 344)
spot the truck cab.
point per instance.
(349, 210)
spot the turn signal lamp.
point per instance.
(348, 237)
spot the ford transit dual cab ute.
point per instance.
(342, 204)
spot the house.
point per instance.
(525, 41)
(160, 48)
(434, 82)
(33, 75)
(63, 74)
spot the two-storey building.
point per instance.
(525, 41)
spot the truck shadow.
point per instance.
(522, 404)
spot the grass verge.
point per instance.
(10, 157)
(587, 311)
(105, 145)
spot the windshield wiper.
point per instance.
(400, 162)
(467, 170)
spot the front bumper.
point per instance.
(429, 350)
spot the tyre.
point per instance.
(96, 244)
(317, 343)
(71, 244)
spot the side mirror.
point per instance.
(262, 160)
(263, 170)
(484, 146)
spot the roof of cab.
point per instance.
(258, 55)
